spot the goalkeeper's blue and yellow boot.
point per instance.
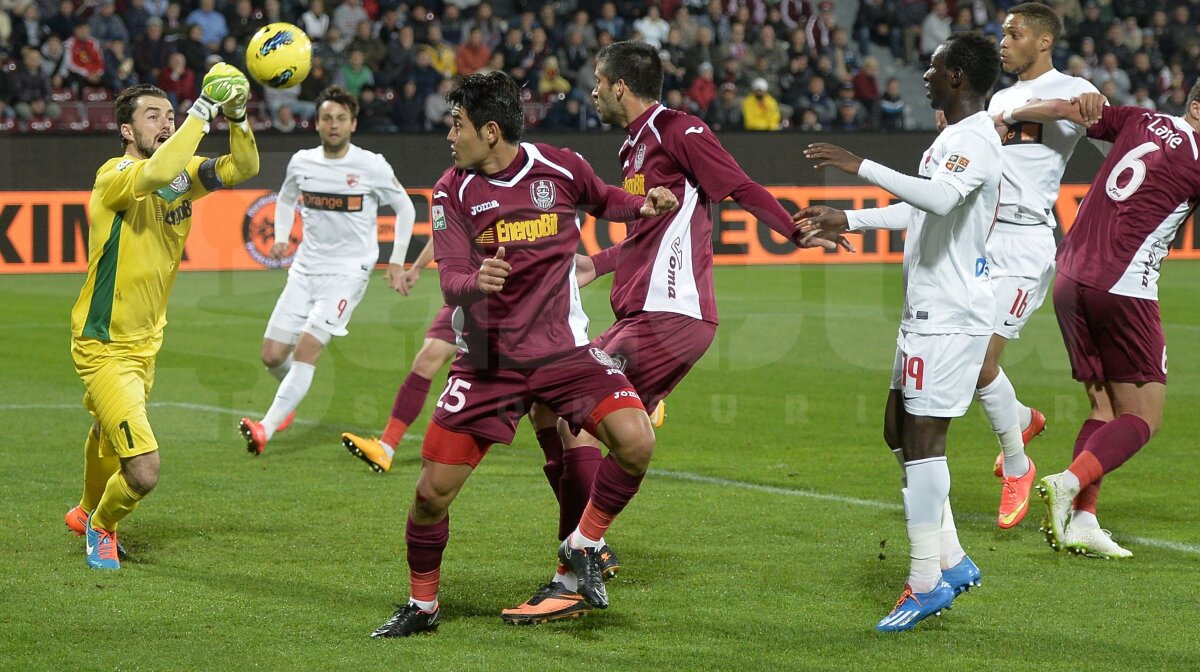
(101, 547)
(912, 608)
(76, 520)
(963, 576)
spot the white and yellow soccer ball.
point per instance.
(279, 56)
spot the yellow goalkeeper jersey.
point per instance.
(135, 244)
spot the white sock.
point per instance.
(577, 540)
(289, 395)
(1071, 482)
(423, 605)
(924, 503)
(999, 401)
(387, 449)
(951, 552)
(568, 580)
(282, 370)
(1024, 416)
(1084, 519)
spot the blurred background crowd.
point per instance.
(759, 65)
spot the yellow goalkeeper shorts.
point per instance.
(117, 378)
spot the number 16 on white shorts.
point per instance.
(937, 373)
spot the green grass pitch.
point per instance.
(769, 535)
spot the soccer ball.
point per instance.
(279, 56)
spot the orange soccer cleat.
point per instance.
(1014, 497)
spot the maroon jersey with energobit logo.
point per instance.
(1146, 187)
(529, 209)
(665, 262)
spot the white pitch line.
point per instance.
(1179, 546)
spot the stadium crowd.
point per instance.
(761, 65)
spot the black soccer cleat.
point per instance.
(585, 563)
(610, 564)
(409, 619)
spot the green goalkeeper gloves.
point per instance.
(224, 89)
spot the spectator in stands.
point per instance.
(135, 17)
(845, 98)
(610, 22)
(653, 27)
(319, 78)
(105, 25)
(935, 29)
(582, 22)
(401, 58)
(118, 67)
(355, 74)
(551, 83)
(818, 30)
(892, 109)
(451, 23)
(245, 22)
(866, 88)
(760, 69)
(909, 15)
(424, 75)
(492, 27)
(374, 115)
(387, 29)
(874, 24)
(213, 27)
(573, 55)
(437, 110)
(232, 52)
(64, 20)
(1142, 98)
(29, 83)
(772, 49)
(849, 117)
(315, 21)
(760, 110)
(408, 110)
(193, 48)
(1174, 102)
(441, 54)
(793, 82)
(817, 99)
(284, 120)
(539, 50)
(736, 49)
(332, 49)
(29, 31)
(674, 100)
(963, 21)
(689, 30)
(1114, 43)
(1092, 26)
(513, 49)
(53, 56)
(83, 62)
(472, 54)
(843, 54)
(809, 123)
(703, 90)
(150, 51)
(571, 114)
(1110, 71)
(174, 27)
(347, 15)
(672, 54)
(703, 51)
(178, 81)
(716, 21)
(1114, 95)
(1143, 74)
(374, 51)
(726, 110)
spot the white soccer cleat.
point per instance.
(1058, 498)
(1094, 542)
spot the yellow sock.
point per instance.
(96, 470)
(119, 500)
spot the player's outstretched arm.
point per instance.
(1085, 109)
(403, 280)
(932, 196)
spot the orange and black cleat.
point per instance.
(551, 602)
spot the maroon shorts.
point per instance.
(441, 329)
(656, 350)
(1110, 337)
(582, 387)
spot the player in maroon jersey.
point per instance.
(662, 292)
(505, 234)
(1106, 298)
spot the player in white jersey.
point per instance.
(338, 188)
(1021, 247)
(948, 306)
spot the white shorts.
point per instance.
(1021, 263)
(937, 373)
(318, 304)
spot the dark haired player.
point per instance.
(662, 293)
(141, 214)
(338, 188)
(1106, 297)
(505, 234)
(947, 320)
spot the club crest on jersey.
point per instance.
(543, 194)
(607, 361)
(957, 163)
(439, 218)
(352, 180)
(640, 157)
(181, 183)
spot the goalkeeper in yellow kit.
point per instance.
(141, 213)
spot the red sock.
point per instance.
(579, 468)
(1109, 447)
(1087, 469)
(1086, 499)
(594, 522)
(425, 546)
(552, 449)
(423, 586)
(410, 398)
